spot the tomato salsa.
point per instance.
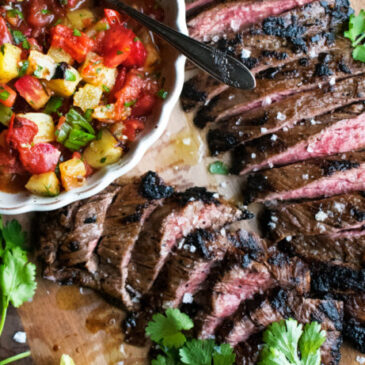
(78, 81)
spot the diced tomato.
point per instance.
(7, 95)
(133, 86)
(113, 17)
(119, 83)
(144, 105)
(5, 36)
(40, 158)
(117, 45)
(132, 128)
(21, 132)
(37, 14)
(76, 46)
(89, 169)
(32, 90)
(138, 55)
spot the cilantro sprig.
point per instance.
(17, 274)
(356, 33)
(169, 331)
(285, 340)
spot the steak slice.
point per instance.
(354, 326)
(134, 203)
(304, 140)
(296, 34)
(70, 235)
(256, 315)
(275, 83)
(234, 16)
(285, 113)
(180, 215)
(330, 215)
(314, 178)
(244, 280)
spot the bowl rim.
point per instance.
(110, 173)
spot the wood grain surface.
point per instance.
(78, 321)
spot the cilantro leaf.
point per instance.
(17, 277)
(197, 352)
(359, 53)
(356, 26)
(162, 360)
(167, 329)
(272, 356)
(66, 360)
(13, 234)
(310, 342)
(218, 168)
(284, 336)
(224, 355)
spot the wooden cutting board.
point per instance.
(78, 321)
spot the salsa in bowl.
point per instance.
(84, 91)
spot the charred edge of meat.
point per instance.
(279, 259)
(328, 277)
(197, 193)
(329, 308)
(269, 73)
(198, 239)
(135, 217)
(279, 301)
(358, 214)
(190, 92)
(330, 167)
(275, 54)
(255, 184)
(340, 12)
(90, 220)
(286, 247)
(354, 332)
(248, 244)
(152, 187)
(204, 116)
(220, 141)
(344, 68)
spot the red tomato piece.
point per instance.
(7, 96)
(37, 17)
(32, 90)
(21, 132)
(133, 86)
(132, 128)
(40, 158)
(144, 105)
(113, 17)
(77, 46)
(119, 83)
(5, 36)
(138, 55)
(117, 45)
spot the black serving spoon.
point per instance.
(220, 65)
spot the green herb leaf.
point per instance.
(20, 38)
(76, 119)
(224, 355)
(310, 342)
(53, 104)
(77, 33)
(197, 352)
(13, 235)
(45, 11)
(162, 94)
(69, 75)
(356, 26)
(119, 52)
(128, 104)
(106, 89)
(4, 94)
(167, 329)
(359, 53)
(77, 139)
(272, 356)
(66, 360)
(24, 67)
(162, 360)
(218, 168)
(13, 13)
(38, 72)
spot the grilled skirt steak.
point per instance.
(329, 215)
(284, 114)
(276, 83)
(180, 215)
(273, 43)
(335, 132)
(314, 178)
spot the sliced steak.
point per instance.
(180, 215)
(188, 266)
(70, 235)
(329, 215)
(234, 16)
(134, 203)
(299, 33)
(313, 178)
(284, 114)
(274, 84)
(335, 132)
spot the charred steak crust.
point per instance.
(197, 193)
(354, 331)
(153, 187)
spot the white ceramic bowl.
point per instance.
(173, 71)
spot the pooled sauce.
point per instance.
(70, 298)
(104, 318)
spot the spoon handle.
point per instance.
(221, 66)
